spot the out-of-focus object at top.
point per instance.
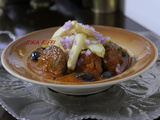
(40, 3)
(105, 6)
(2, 3)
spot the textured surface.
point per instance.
(134, 99)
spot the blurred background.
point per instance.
(24, 16)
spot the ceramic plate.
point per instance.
(140, 48)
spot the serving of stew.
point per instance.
(75, 64)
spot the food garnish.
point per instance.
(78, 53)
(73, 37)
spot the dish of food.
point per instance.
(77, 53)
(87, 54)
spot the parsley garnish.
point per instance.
(119, 49)
(54, 78)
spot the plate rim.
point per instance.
(74, 85)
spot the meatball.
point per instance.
(112, 57)
(89, 62)
(53, 59)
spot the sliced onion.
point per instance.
(67, 41)
(89, 27)
(100, 38)
(88, 52)
(87, 41)
(69, 53)
(67, 25)
(74, 42)
(117, 69)
(94, 42)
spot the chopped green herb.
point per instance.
(119, 49)
(54, 78)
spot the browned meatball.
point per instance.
(53, 59)
(112, 58)
(90, 63)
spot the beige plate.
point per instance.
(14, 57)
